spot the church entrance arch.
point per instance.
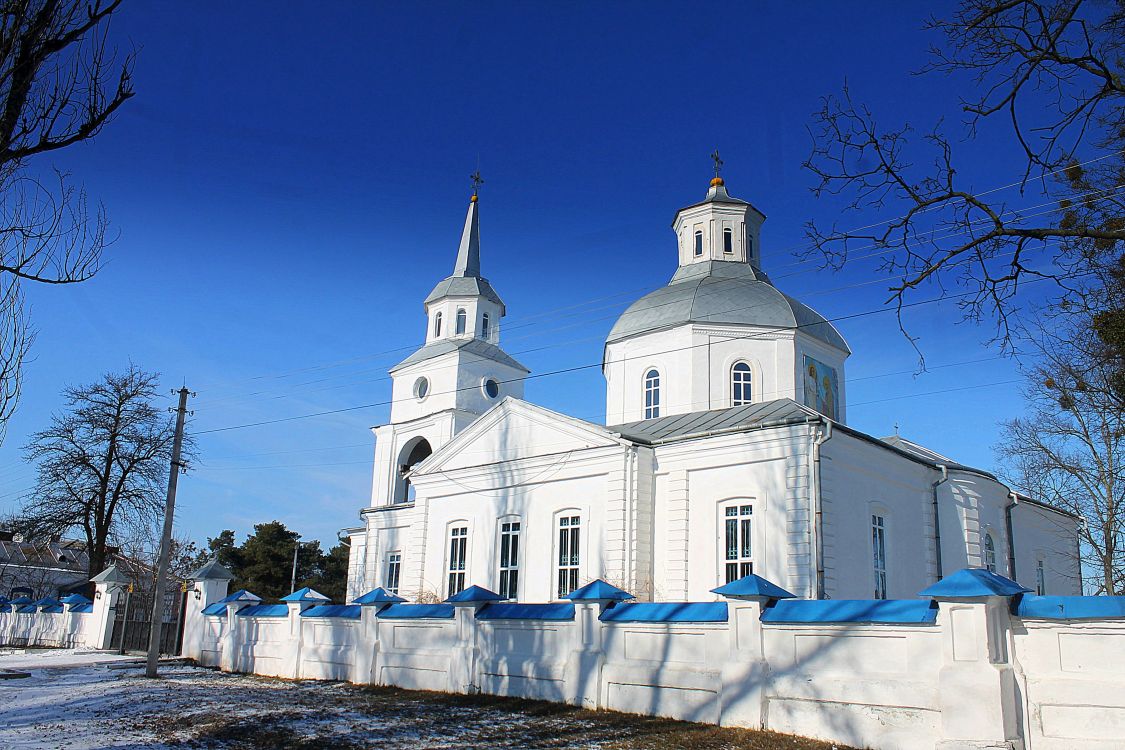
(413, 453)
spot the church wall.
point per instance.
(769, 353)
(671, 353)
(1044, 536)
(859, 480)
(694, 482)
(807, 345)
(538, 507)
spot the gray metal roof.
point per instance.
(465, 286)
(111, 575)
(723, 292)
(474, 346)
(466, 280)
(775, 413)
(212, 570)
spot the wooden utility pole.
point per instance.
(166, 538)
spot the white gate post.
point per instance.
(109, 588)
(465, 663)
(209, 585)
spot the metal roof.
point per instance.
(914, 611)
(474, 346)
(722, 292)
(212, 570)
(666, 612)
(779, 412)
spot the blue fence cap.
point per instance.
(514, 611)
(75, 599)
(475, 595)
(242, 595)
(971, 583)
(83, 609)
(1070, 607)
(599, 590)
(263, 610)
(306, 595)
(378, 596)
(873, 611)
(21, 600)
(218, 608)
(48, 601)
(666, 612)
(345, 611)
(753, 586)
(417, 611)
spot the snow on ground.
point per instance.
(70, 701)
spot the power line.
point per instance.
(793, 248)
(578, 368)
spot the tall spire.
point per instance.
(468, 254)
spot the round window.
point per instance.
(491, 388)
(421, 388)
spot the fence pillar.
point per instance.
(977, 683)
(365, 668)
(465, 662)
(208, 585)
(583, 682)
(109, 590)
(298, 602)
(745, 674)
(233, 636)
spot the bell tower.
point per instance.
(459, 372)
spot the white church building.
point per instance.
(727, 451)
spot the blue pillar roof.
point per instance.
(973, 582)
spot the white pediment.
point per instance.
(514, 430)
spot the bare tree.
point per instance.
(59, 85)
(1049, 74)
(103, 464)
(1069, 450)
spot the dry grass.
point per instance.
(317, 715)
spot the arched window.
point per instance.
(484, 326)
(462, 318)
(652, 394)
(749, 245)
(989, 552)
(698, 242)
(437, 325)
(740, 384)
(728, 241)
(413, 454)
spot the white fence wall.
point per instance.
(971, 672)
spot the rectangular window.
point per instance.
(879, 550)
(738, 558)
(1040, 579)
(569, 554)
(458, 541)
(393, 572)
(509, 559)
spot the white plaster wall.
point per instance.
(1044, 535)
(690, 486)
(859, 480)
(1073, 690)
(866, 685)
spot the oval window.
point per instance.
(421, 388)
(491, 388)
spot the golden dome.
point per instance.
(473, 198)
(716, 181)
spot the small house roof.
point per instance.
(242, 595)
(111, 575)
(378, 596)
(212, 570)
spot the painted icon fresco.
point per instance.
(822, 388)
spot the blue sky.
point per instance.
(291, 179)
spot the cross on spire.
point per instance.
(477, 181)
(718, 162)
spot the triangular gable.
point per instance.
(513, 430)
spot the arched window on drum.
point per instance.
(741, 382)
